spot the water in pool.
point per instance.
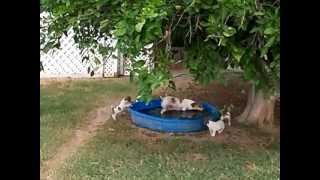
(178, 114)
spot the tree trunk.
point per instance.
(259, 110)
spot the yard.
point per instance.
(80, 141)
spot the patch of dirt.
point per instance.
(235, 92)
(62, 82)
(239, 136)
(245, 137)
(81, 135)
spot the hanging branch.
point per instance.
(197, 23)
(174, 27)
(190, 29)
(168, 38)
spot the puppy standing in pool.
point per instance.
(188, 104)
(170, 103)
(124, 104)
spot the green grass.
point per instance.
(127, 154)
(63, 106)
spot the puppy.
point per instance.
(124, 104)
(227, 116)
(169, 103)
(188, 104)
(218, 126)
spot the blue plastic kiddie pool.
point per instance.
(141, 117)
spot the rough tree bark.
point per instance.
(259, 109)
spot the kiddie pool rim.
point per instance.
(173, 125)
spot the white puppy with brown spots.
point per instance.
(219, 126)
(170, 103)
(125, 103)
(188, 104)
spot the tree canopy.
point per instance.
(215, 34)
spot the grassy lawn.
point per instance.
(121, 151)
(64, 105)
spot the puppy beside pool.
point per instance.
(218, 126)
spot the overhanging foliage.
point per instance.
(215, 34)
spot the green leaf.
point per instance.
(137, 39)
(120, 32)
(259, 13)
(104, 23)
(237, 53)
(57, 45)
(139, 26)
(266, 47)
(178, 7)
(67, 3)
(223, 41)
(121, 28)
(269, 31)
(97, 61)
(154, 85)
(255, 29)
(229, 31)
(139, 63)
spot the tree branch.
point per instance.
(174, 27)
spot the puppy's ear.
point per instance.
(128, 98)
(195, 105)
(206, 121)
